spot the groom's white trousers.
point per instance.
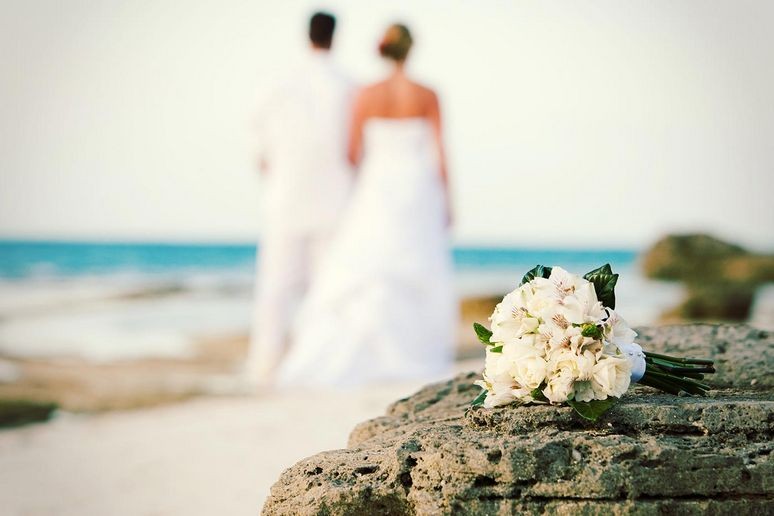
(286, 263)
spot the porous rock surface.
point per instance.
(651, 454)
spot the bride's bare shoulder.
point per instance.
(372, 90)
(423, 90)
(377, 92)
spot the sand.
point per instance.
(210, 455)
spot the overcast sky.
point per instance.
(569, 124)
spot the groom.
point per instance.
(302, 136)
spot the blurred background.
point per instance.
(578, 133)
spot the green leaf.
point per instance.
(591, 410)
(539, 271)
(538, 395)
(591, 330)
(496, 349)
(605, 269)
(604, 282)
(483, 334)
(479, 399)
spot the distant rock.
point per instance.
(651, 454)
(22, 412)
(721, 278)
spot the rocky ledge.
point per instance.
(651, 454)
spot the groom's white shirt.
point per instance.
(302, 137)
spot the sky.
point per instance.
(568, 123)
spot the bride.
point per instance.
(381, 306)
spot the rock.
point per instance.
(721, 278)
(652, 453)
(726, 301)
(686, 257)
(22, 412)
(741, 353)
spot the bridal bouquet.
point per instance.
(557, 339)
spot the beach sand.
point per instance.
(209, 455)
(153, 436)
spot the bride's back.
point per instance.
(396, 97)
(404, 114)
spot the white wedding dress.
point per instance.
(381, 307)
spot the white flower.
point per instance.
(585, 364)
(495, 364)
(542, 298)
(617, 331)
(562, 373)
(587, 297)
(559, 386)
(584, 391)
(511, 318)
(560, 283)
(502, 390)
(612, 376)
(527, 365)
(498, 390)
(540, 328)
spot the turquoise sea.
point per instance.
(118, 300)
(24, 259)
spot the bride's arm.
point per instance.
(434, 115)
(355, 148)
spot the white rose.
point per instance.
(527, 365)
(562, 373)
(562, 358)
(584, 391)
(585, 363)
(612, 376)
(543, 297)
(559, 386)
(495, 364)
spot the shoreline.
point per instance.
(208, 364)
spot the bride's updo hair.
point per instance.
(396, 42)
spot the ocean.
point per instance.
(28, 259)
(108, 301)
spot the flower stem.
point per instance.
(686, 384)
(659, 384)
(676, 360)
(673, 375)
(680, 369)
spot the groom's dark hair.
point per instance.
(321, 28)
